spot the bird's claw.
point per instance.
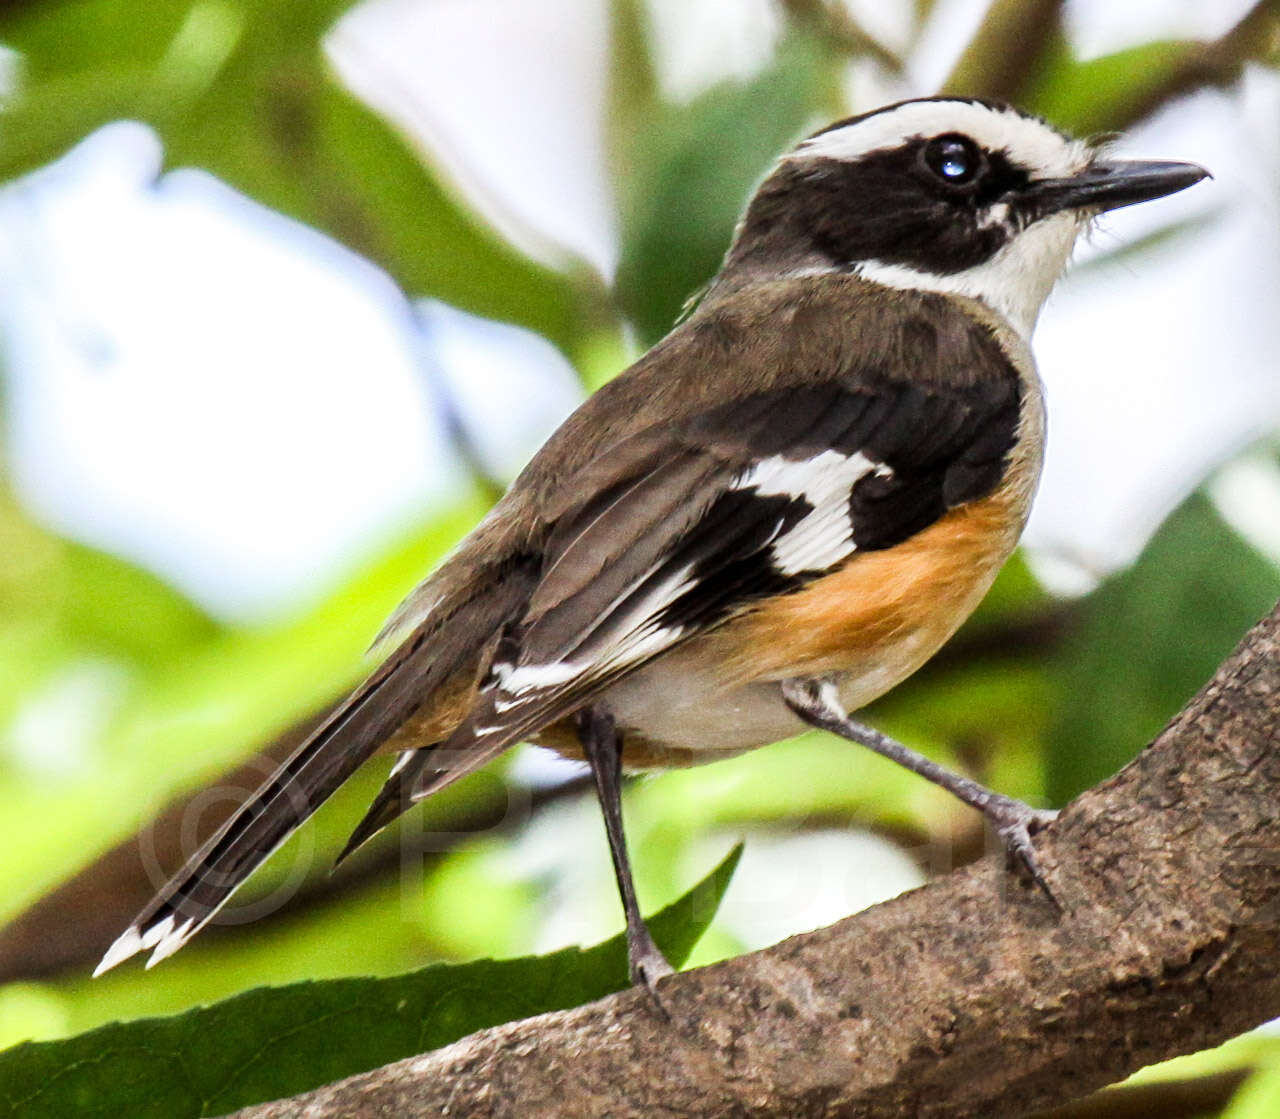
(648, 965)
(1015, 823)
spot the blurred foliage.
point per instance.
(1260, 1096)
(242, 89)
(1143, 640)
(49, 591)
(276, 1042)
(684, 183)
(119, 697)
(180, 719)
(1088, 97)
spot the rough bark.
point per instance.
(971, 996)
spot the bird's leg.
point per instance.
(818, 703)
(602, 745)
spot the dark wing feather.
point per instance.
(258, 827)
(691, 541)
(608, 554)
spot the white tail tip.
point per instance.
(173, 938)
(127, 944)
(165, 937)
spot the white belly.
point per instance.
(677, 702)
(680, 705)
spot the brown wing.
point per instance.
(696, 524)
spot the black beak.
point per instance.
(1110, 185)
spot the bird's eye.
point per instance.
(954, 159)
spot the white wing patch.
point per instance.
(628, 634)
(517, 682)
(402, 760)
(825, 536)
(638, 637)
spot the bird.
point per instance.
(774, 516)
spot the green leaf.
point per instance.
(1258, 1097)
(242, 90)
(1104, 93)
(688, 171)
(1148, 639)
(200, 713)
(276, 1042)
(102, 603)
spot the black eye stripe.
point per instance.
(891, 206)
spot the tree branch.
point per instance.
(1255, 37)
(1002, 57)
(836, 24)
(970, 996)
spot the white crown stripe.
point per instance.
(1027, 141)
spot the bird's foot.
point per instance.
(647, 964)
(1015, 823)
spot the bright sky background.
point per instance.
(246, 408)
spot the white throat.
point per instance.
(1015, 282)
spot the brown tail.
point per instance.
(285, 800)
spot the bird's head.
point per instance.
(941, 194)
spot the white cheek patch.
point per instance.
(824, 536)
(811, 478)
(994, 216)
(1026, 140)
(1015, 281)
